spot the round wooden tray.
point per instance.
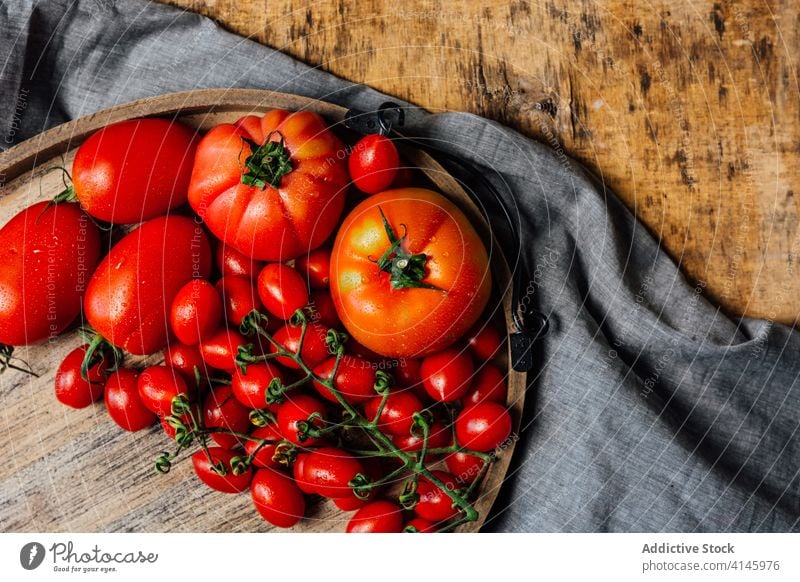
(75, 470)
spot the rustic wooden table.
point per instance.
(689, 110)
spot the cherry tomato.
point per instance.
(250, 388)
(185, 359)
(130, 295)
(157, 386)
(323, 311)
(421, 525)
(232, 262)
(239, 296)
(222, 410)
(447, 375)
(373, 163)
(196, 312)
(316, 266)
(277, 498)
(315, 348)
(409, 372)
(391, 308)
(328, 471)
(355, 379)
(483, 427)
(396, 416)
(123, 402)
(440, 436)
(434, 504)
(489, 385)
(71, 388)
(228, 483)
(464, 467)
(220, 350)
(296, 408)
(282, 290)
(270, 205)
(298, 473)
(46, 256)
(264, 453)
(377, 517)
(485, 341)
(134, 170)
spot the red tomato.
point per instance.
(47, 255)
(483, 427)
(323, 311)
(421, 525)
(123, 402)
(464, 467)
(282, 290)
(396, 416)
(239, 296)
(228, 483)
(447, 375)
(485, 341)
(157, 386)
(316, 266)
(264, 453)
(277, 498)
(219, 351)
(299, 475)
(314, 347)
(222, 410)
(130, 295)
(278, 208)
(196, 311)
(250, 388)
(296, 408)
(328, 471)
(71, 388)
(440, 436)
(232, 262)
(434, 504)
(185, 359)
(134, 170)
(489, 384)
(373, 163)
(408, 373)
(355, 379)
(378, 296)
(377, 517)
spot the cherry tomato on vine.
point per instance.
(483, 427)
(355, 379)
(219, 351)
(447, 375)
(323, 310)
(222, 410)
(282, 290)
(464, 467)
(264, 453)
(397, 415)
(327, 471)
(277, 498)
(485, 341)
(434, 504)
(408, 372)
(316, 266)
(315, 347)
(373, 163)
(440, 437)
(157, 386)
(296, 408)
(250, 387)
(71, 388)
(489, 385)
(239, 296)
(298, 473)
(377, 517)
(196, 312)
(123, 402)
(421, 525)
(185, 359)
(231, 262)
(228, 483)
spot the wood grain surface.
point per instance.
(75, 470)
(688, 110)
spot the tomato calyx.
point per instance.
(406, 270)
(267, 164)
(98, 350)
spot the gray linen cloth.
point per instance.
(652, 410)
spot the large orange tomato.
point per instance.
(272, 187)
(409, 274)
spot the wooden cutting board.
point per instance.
(75, 470)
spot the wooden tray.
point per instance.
(75, 470)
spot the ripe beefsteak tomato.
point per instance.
(409, 273)
(272, 187)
